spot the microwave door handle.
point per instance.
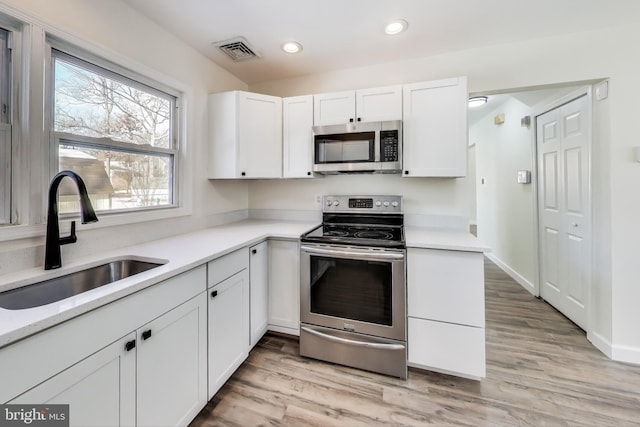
(376, 146)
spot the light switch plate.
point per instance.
(524, 177)
(602, 90)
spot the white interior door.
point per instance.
(563, 143)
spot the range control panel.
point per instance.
(369, 204)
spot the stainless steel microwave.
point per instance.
(369, 147)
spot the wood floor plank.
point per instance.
(541, 371)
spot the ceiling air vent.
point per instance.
(238, 49)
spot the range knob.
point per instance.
(394, 204)
(328, 202)
(378, 203)
(386, 204)
(336, 203)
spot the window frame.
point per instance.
(31, 138)
(109, 69)
(11, 206)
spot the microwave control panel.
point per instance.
(389, 146)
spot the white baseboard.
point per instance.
(601, 343)
(511, 272)
(623, 353)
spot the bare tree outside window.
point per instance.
(117, 131)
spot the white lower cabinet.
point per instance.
(284, 286)
(228, 317)
(172, 366)
(446, 347)
(154, 375)
(445, 294)
(258, 291)
(100, 390)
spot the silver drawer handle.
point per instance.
(340, 252)
(375, 345)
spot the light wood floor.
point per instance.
(541, 370)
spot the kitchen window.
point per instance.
(117, 131)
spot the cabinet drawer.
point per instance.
(453, 349)
(226, 266)
(446, 285)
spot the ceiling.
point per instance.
(338, 34)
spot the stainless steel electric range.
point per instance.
(353, 292)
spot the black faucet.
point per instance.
(52, 258)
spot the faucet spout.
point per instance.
(52, 257)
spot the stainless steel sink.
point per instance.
(62, 287)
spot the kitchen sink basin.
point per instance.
(62, 287)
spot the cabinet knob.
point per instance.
(254, 251)
(308, 173)
(359, 119)
(214, 294)
(406, 172)
(130, 345)
(243, 173)
(351, 120)
(146, 334)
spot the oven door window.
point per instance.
(351, 289)
(345, 148)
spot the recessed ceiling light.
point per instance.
(291, 47)
(477, 101)
(396, 27)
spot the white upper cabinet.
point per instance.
(379, 104)
(297, 138)
(367, 105)
(435, 128)
(245, 132)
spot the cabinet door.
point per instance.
(172, 367)
(334, 108)
(445, 347)
(435, 128)
(223, 156)
(379, 104)
(228, 328)
(447, 286)
(260, 135)
(100, 390)
(297, 136)
(258, 291)
(284, 286)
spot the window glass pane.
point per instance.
(5, 77)
(98, 105)
(115, 179)
(5, 128)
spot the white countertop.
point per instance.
(179, 254)
(436, 238)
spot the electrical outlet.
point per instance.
(318, 199)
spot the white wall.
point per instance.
(505, 208)
(571, 58)
(122, 33)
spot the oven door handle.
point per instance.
(353, 254)
(379, 346)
